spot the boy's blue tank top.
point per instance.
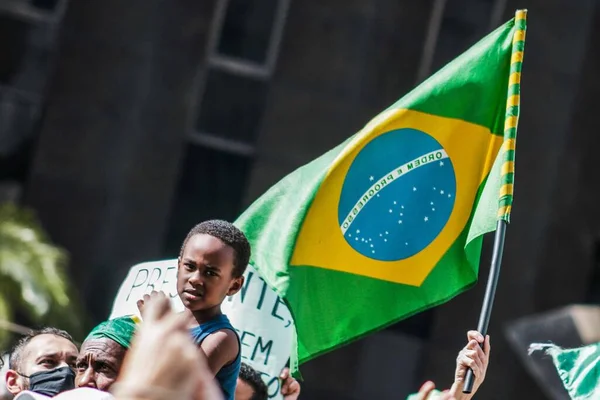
(227, 376)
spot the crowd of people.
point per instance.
(195, 354)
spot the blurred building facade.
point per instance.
(125, 123)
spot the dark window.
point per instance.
(17, 125)
(212, 184)
(49, 5)
(247, 29)
(232, 106)
(593, 295)
(463, 25)
(14, 39)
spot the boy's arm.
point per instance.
(220, 348)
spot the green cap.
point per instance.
(120, 330)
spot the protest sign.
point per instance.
(262, 320)
(143, 279)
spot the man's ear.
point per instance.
(14, 382)
(236, 285)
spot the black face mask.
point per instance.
(50, 383)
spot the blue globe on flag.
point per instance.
(397, 195)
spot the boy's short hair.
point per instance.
(16, 354)
(228, 234)
(253, 378)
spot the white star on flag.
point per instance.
(426, 219)
(371, 178)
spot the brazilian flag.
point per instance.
(390, 222)
(578, 369)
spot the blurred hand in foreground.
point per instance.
(163, 362)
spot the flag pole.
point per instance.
(490, 293)
(507, 178)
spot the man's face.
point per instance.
(243, 391)
(42, 353)
(99, 363)
(205, 273)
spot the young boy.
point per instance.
(211, 264)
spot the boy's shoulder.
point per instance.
(221, 348)
(221, 337)
(208, 328)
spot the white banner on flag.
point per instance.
(261, 318)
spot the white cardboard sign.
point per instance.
(261, 318)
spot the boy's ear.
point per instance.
(236, 285)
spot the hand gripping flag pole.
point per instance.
(490, 292)
(506, 191)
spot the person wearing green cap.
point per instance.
(103, 351)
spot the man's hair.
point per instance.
(228, 234)
(16, 354)
(252, 378)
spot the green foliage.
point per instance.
(33, 279)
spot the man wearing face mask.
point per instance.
(42, 362)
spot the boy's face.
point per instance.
(205, 273)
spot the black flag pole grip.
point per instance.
(490, 292)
